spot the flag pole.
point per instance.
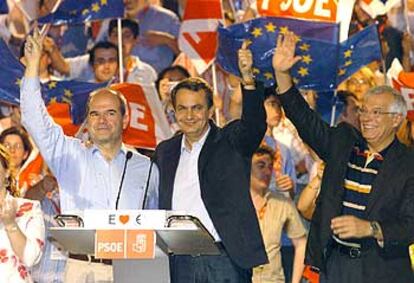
(215, 92)
(120, 54)
(46, 27)
(333, 111)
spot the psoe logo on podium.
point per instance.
(110, 244)
(140, 244)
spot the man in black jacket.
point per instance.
(206, 172)
(364, 218)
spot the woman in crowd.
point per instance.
(22, 230)
(33, 182)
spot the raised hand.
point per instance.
(284, 57)
(32, 52)
(8, 212)
(245, 57)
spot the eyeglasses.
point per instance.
(376, 113)
(16, 146)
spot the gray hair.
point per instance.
(398, 105)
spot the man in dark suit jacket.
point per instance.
(364, 218)
(206, 172)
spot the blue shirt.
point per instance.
(156, 18)
(86, 179)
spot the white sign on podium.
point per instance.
(178, 234)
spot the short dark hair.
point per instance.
(121, 98)
(101, 45)
(174, 68)
(194, 84)
(132, 25)
(265, 150)
(27, 146)
(343, 96)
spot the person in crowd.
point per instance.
(101, 63)
(34, 184)
(136, 70)
(284, 174)
(159, 27)
(350, 111)
(89, 175)
(203, 171)
(359, 82)
(364, 218)
(167, 79)
(276, 214)
(22, 230)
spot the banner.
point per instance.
(198, 32)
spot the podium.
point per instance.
(174, 234)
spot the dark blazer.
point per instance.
(224, 172)
(391, 201)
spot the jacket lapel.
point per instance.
(381, 181)
(208, 149)
(172, 157)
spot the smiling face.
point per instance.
(192, 113)
(105, 121)
(105, 64)
(378, 129)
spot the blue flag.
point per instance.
(359, 50)
(76, 11)
(11, 73)
(72, 92)
(4, 9)
(317, 44)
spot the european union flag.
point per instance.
(4, 9)
(76, 12)
(359, 50)
(11, 73)
(316, 43)
(72, 92)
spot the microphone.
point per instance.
(127, 158)
(147, 184)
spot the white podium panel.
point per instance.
(179, 235)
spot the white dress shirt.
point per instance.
(86, 179)
(187, 192)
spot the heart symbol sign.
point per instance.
(124, 219)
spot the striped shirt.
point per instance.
(361, 172)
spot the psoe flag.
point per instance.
(376, 8)
(403, 82)
(333, 11)
(198, 32)
(147, 123)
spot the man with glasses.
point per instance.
(364, 217)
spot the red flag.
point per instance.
(198, 32)
(147, 122)
(404, 83)
(60, 113)
(31, 171)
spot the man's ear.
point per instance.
(125, 120)
(397, 120)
